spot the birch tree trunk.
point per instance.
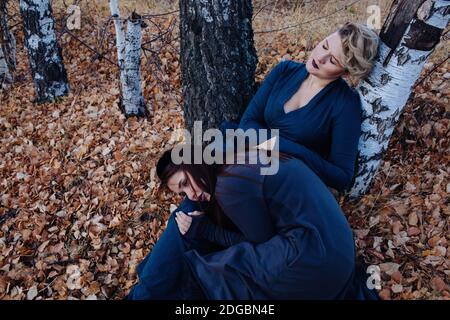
(5, 74)
(7, 47)
(218, 60)
(44, 53)
(129, 60)
(408, 37)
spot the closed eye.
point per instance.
(331, 58)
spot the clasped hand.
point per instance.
(184, 220)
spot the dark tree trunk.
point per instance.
(7, 47)
(408, 37)
(218, 60)
(44, 53)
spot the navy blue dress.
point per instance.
(293, 243)
(324, 133)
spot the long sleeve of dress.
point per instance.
(203, 228)
(338, 169)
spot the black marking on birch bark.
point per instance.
(366, 135)
(422, 58)
(446, 11)
(381, 127)
(378, 106)
(363, 90)
(402, 56)
(396, 115)
(385, 78)
(369, 82)
(388, 58)
(422, 36)
(403, 11)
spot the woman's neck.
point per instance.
(315, 82)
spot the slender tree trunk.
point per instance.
(218, 60)
(5, 74)
(7, 47)
(44, 53)
(128, 45)
(408, 37)
(133, 98)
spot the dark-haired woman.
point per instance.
(290, 238)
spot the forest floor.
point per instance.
(79, 202)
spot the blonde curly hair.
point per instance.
(360, 46)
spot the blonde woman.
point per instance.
(318, 115)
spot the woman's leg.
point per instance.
(163, 274)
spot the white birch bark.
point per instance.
(128, 45)
(120, 32)
(44, 53)
(133, 98)
(385, 93)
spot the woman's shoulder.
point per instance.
(348, 98)
(347, 91)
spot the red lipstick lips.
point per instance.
(315, 64)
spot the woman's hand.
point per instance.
(184, 220)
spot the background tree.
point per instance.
(218, 60)
(7, 46)
(128, 45)
(44, 53)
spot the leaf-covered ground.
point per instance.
(79, 203)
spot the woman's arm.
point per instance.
(203, 228)
(338, 169)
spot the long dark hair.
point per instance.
(204, 175)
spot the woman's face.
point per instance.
(181, 182)
(325, 60)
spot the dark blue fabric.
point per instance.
(308, 253)
(164, 274)
(203, 228)
(324, 133)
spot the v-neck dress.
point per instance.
(324, 133)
